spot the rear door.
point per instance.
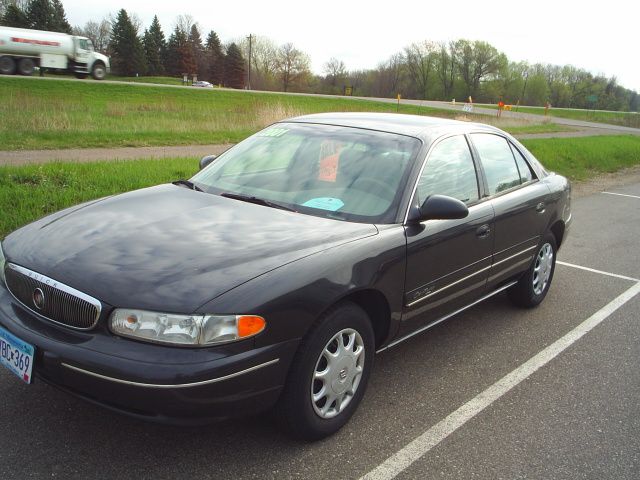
(518, 199)
(448, 261)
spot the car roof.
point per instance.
(419, 126)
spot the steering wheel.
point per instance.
(368, 184)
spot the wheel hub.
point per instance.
(542, 268)
(337, 374)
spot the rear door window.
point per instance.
(497, 159)
(526, 175)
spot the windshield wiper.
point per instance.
(188, 184)
(256, 200)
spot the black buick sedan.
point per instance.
(275, 274)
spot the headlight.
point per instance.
(185, 330)
(2, 262)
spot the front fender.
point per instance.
(293, 296)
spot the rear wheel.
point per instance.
(329, 374)
(99, 71)
(533, 286)
(7, 66)
(26, 66)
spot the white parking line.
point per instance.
(593, 270)
(401, 460)
(622, 194)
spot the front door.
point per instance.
(448, 261)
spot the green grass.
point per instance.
(583, 157)
(57, 113)
(625, 119)
(29, 192)
(32, 191)
(67, 114)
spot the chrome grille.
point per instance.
(61, 303)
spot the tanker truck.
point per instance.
(22, 50)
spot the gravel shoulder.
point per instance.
(84, 155)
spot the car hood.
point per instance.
(168, 247)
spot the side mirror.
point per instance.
(204, 161)
(440, 207)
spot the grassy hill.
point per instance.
(64, 113)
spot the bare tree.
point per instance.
(292, 66)
(335, 70)
(387, 76)
(446, 67)
(184, 23)
(264, 60)
(420, 62)
(97, 32)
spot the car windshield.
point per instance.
(336, 172)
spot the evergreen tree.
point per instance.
(59, 22)
(214, 59)
(40, 14)
(155, 47)
(179, 54)
(234, 71)
(197, 49)
(127, 52)
(14, 17)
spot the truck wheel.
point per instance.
(26, 66)
(99, 71)
(7, 66)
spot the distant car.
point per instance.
(276, 273)
(202, 84)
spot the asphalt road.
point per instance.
(576, 417)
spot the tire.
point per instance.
(7, 66)
(26, 66)
(532, 288)
(99, 71)
(310, 418)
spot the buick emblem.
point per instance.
(38, 298)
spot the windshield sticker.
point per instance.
(325, 203)
(328, 170)
(329, 160)
(272, 132)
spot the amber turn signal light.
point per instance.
(249, 325)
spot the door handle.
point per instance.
(483, 231)
(540, 207)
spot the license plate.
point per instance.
(16, 355)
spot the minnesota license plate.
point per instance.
(16, 355)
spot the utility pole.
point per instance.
(250, 37)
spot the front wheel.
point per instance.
(99, 71)
(531, 289)
(329, 374)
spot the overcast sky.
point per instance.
(603, 38)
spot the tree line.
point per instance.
(423, 70)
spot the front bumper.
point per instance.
(153, 382)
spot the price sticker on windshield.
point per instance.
(273, 132)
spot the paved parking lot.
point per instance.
(438, 405)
